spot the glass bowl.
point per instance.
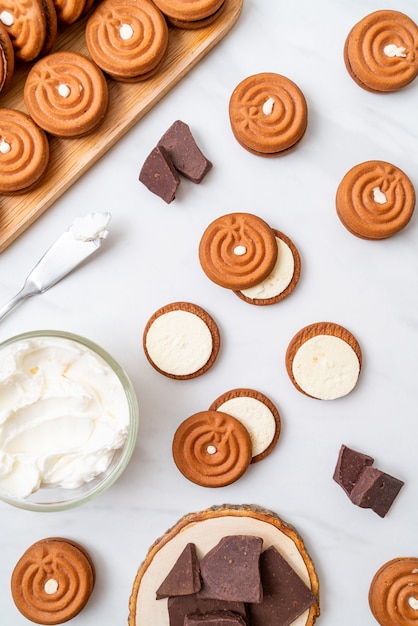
(59, 498)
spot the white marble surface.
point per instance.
(150, 259)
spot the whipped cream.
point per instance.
(91, 227)
(63, 413)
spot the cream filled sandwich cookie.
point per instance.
(24, 152)
(380, 51)
(127, 39)
(324, 360)
(181, 340)
(66, 94)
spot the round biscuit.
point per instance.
(238, 250)
(268, 114)
(212, 449)
(53, 580)
(181, 340)
(375, 200)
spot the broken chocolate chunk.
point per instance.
(349, 467)
(184, 577)
(184, 153)
(231, 571)
(181, 606)
(375, 490)
(159, 175)
(285, 595)
(218, 618)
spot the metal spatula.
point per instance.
(76, 244)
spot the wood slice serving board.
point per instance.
(128, 103)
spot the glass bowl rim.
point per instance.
(129, 445)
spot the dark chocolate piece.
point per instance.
(184, 577)
(375, 490)
(285, 595)
(218, 618)
(159, 175)
(349, 467)
(180, 606)
(184, 153)
(231, 570)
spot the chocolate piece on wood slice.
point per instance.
(231, 570)
(205, 529)
(159, 175)
(349, 467)
(184, 577)
(181, 606)
(285, 595)
(376, 490)
(219, 618)
(184, 152)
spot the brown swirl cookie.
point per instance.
(7, 58)
(69, 11)
(324, 360)
(283, 278)
(24, 152)
(128, 39)
(194, 24)
(181, 340)
(212, 449)
(268, 114)
(381, 51)
(52, 581)
(26, 24)
(393, 594)
(66, 94)
(375, 200)
(238, 250)
(185, 11)
(258, 414)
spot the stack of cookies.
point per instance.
(241, 252)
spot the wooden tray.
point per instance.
(128, 103)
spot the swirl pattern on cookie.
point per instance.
(212, 448)
(68, 11)
(26, 25)
(268, 113)
(66, 94)
(24, 151)
(238, 250)
(52, 581)
(375, 200)
(381, 51)
(393, 595)
(128, 38)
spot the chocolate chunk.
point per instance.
(184, 153)
(184, 577)
(349, 467)
(231, 571)
(180, 606)
(375, 490)
(285, 595)
(218, 618)
(159, 175)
